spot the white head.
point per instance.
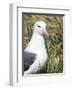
(40, 27)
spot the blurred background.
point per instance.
(54, 43)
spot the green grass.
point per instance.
(54, 43)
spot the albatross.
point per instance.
(35, 54)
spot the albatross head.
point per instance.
(40, 27)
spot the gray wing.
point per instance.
(29, 58)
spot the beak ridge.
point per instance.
(46, 33)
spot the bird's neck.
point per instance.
(38, 38)
(36, 43)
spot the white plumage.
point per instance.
(37, 46)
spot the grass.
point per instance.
(54, 43)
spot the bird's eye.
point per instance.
(39, 26)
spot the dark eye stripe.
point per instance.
(39, 26)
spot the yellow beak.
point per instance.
(46, 33)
